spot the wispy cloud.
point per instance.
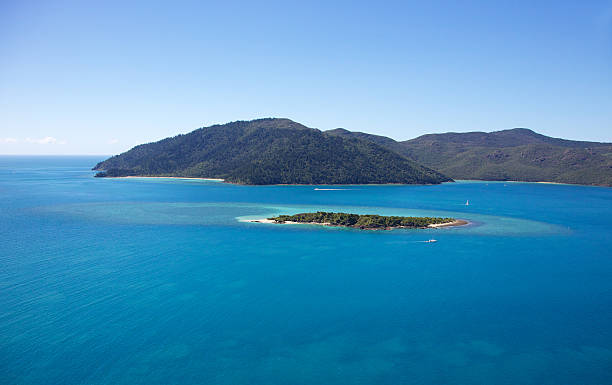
(8, 140)
(45, 140)
(113, 141)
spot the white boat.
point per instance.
(467, 203)
(430, 241)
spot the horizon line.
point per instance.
(55, 155)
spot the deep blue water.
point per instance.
(136, 281)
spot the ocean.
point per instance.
(157, 281)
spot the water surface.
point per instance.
(156, 281)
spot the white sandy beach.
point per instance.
(168, 177)
(458, 222)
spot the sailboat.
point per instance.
(467, 202)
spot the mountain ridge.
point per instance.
(513, 154)
(281, 151)
(269, 151)
(512, 136)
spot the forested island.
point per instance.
(269, 151)
(281, 151)
(365, 222)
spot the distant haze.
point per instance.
(99, 78)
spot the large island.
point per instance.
(281, 151)
(364, 222)
(269, 151)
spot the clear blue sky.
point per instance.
(99, 77)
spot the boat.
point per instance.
(430, 241)
(467, 203)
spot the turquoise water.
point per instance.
(140, 281)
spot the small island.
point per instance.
(364, 222)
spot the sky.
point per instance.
(100, 77)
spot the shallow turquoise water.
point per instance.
(145, 281)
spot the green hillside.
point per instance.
(269, 151)
(516, 154)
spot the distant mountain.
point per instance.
(269, 151)
(516, 154)
(505, 138)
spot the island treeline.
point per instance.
(367, 221)
(269, 151)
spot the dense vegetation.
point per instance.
(280, 151)
(361, 221)
(517, 154)
(269, 151)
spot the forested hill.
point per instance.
(516, 154)
(269, 151)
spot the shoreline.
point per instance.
(277, 184)
(165, 177)
(529, 181)
(458, 222)
(359, 185)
